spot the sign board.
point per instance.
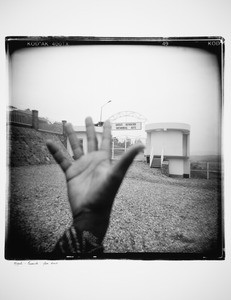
(127, 126)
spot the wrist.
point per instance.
(94, 222)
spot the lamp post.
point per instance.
(101, 110)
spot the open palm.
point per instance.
(92, 181)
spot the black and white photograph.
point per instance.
(115, 148)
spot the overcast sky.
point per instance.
(164, 84)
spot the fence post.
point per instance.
(64, 133)
(207, 165)
(64, 122)
(35, 120)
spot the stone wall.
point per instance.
(27, 146)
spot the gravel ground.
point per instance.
(151, 213)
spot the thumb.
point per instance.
(123, 164)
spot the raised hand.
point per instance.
(92, 181)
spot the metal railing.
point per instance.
(26, 119)
(56, 127)
(208, 170)
(120, 147)
(20, 117)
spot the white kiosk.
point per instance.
(168, 148)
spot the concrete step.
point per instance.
(156, 162)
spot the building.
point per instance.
(82, 136)
(168, 148)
